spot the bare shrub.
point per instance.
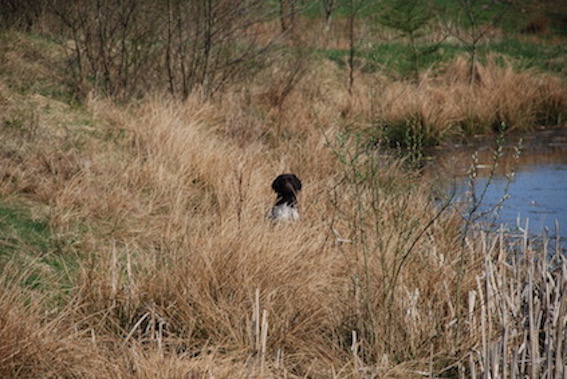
(22, 14)
(115, 46)
(126, 49)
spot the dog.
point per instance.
(287, 187)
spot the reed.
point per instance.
(520, 294)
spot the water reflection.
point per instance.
(535, 180)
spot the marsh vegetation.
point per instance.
(138, 142)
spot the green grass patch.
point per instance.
(544, 56)
(18, 230)
(35, 64)
(28, 243)
(395, 58)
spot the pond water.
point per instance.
(525, 189)
(537, 198)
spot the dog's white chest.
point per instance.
(285, 212)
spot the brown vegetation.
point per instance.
(171, 269)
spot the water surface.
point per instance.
(531, 175)
(536, 197)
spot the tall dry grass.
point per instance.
(176, 272)
(179, 266)
(446, 106)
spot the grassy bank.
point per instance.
(134, 241)
(178, 268)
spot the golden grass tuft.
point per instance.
(43, 343)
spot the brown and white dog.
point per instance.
(287, 186)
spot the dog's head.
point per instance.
(287, 185)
